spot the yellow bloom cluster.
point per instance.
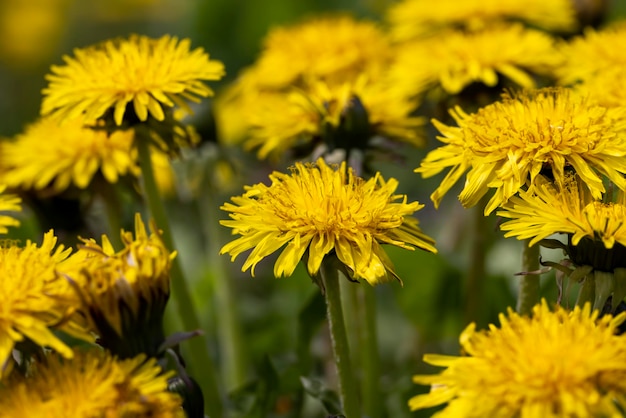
(92, 384)
(506, 145)
(143, 72)
(554, 364)
(306, 81)
(7, 203)
(318, 209)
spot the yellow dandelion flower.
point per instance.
(50, 155)
(35, 298)
(333, 48)
(124, 293)
(553, 364)
(457, 58)
(8, 203)
(410, 19)
(545, 210)
(507, 144)
(316, 210)
(92, 384)
(593, 55)
(149, 74)
(304, 117)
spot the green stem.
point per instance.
(200, 363)
(369, 351)
(347, 385)
(113, 211)
(235, 360)
(529, 290)
(476, 270)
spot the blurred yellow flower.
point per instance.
(410, 19)
(124, 292)
(593, 55)
(149, 74)
(35, 298)
(92, 384)
(318, 209)
(545, 210)
(8, 203)
(346, 116)
(454, 59)
(48, 154)
(507, 144)
(333, 48)
(553, 364)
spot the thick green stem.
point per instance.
(348, 388)
(113, 211)
(235, 360)
(370, 356)
(200, 364)
(529, 289)
(476, 271)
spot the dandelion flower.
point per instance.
(124, 293)
(592, 55)
(411, 19)
(546, 210)
(507, 144)
(92, 384)
(553, 364)
(304, 117)
(334, 49)
(457, 58)
(50, 155)
(35, 298)
(318, 209)
(149, 74)
(8, 203)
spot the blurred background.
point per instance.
(280, 317)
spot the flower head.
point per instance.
(149, 74)
(592, 55)
(545, 210)
(124, 293)
(92, 384)
(348, 115)
(48, 154)
(411, 19)
(553, 364)
(507, 144)
(35, 298)
(334, 49)
(318, 209)
(8, 203)
(458, 58)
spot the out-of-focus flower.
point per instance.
(35, 298)
(317, 210)
(8, 203)
(411, 19)
(350, 115)
(454, 59)
(124, 292)
(92, 384)
(506, 145)
(553, 364)
(48, 154)
(131, 78)
(334, 49)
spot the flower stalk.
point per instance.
(529, 289)
(200, 362)
(347, 384)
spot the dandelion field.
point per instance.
(312, 209)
